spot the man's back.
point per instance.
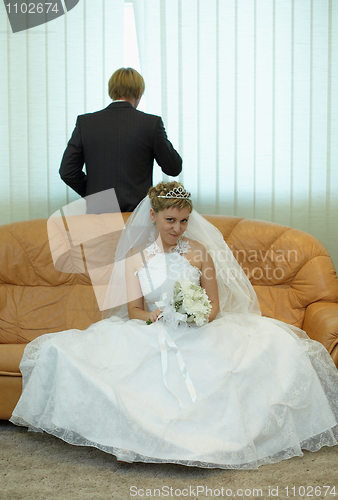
(118, 145)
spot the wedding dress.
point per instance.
(238, 392)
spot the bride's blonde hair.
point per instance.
(163, 188)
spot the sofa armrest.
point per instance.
(10, 358)
(321, 324)
(10, 378)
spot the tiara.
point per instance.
(177, 192)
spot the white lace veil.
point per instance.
(236, 294)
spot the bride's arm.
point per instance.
(209, 283)
(134, 294)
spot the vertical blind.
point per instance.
(249, 95)
(49, 75)
(248, 91)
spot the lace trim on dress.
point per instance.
(153, 249)
(181, 248)
(247, 459)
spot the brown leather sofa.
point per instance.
(291, 271)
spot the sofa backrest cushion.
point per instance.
(288, 268)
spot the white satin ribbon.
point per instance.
(168, 312)
(173, 318)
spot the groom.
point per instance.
(118, 145)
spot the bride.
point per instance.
(145, 385)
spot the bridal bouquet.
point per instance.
(192, 300)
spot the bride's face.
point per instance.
(170, 223)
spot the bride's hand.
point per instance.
(153, 315)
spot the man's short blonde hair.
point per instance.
(126, 82)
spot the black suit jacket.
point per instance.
(118, 145)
